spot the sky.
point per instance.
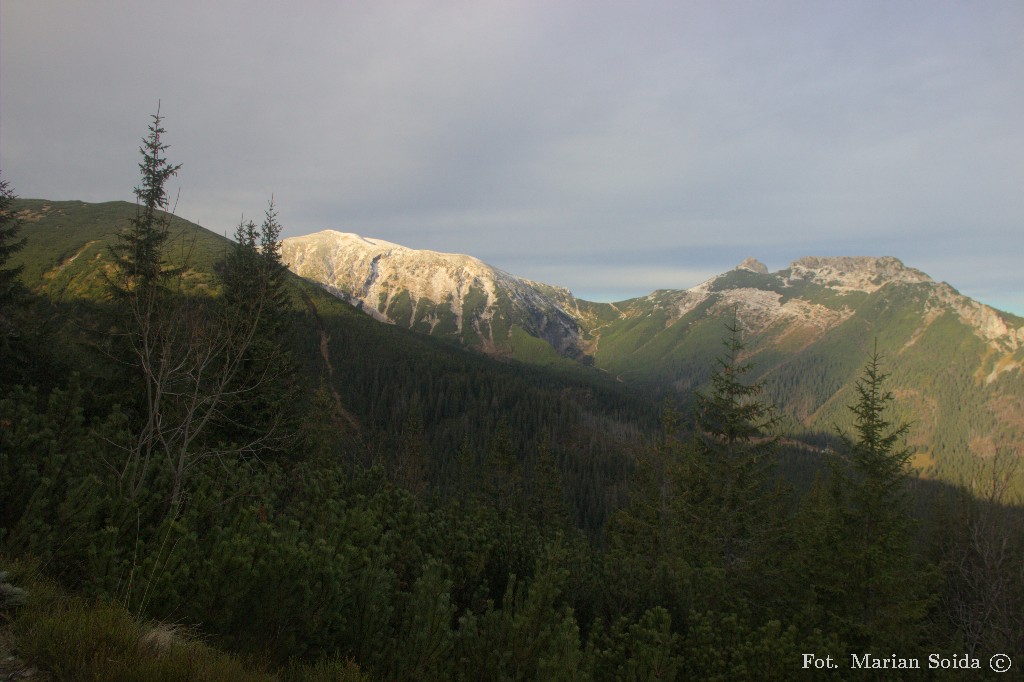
(612, 148)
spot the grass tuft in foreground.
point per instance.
(50, 635)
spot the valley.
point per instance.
(807, 328)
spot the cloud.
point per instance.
(520, 131)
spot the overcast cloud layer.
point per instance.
(610, 147)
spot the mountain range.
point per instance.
(956, 364)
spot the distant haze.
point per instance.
(609, 147)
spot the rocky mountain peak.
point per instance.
(753, 265)
(447, 294)
(855, 273)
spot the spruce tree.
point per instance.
(139, 252)
(505, 471)
(270, 251)
(883, 596)
(702, 525)
(254, 275)
(650, 541)
(240, 270)
(410, 463)
(732, 412)
(13, 294)
(727, 502)
(547, 491)
(876, 455)
(11, 289)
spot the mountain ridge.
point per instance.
(451, 295)
(956, 363)
(840, 274)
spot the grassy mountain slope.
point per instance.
(956, 364)
(960, 385)
(66, 252)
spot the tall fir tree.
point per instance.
(883, 602)
(11, 289)
(13, 294)
(139, 251)
(728, 503)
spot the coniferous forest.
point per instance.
(211, 469)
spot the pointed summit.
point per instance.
(753, 265)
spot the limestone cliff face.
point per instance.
(858, 273)
(448, 295)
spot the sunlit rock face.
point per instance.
(448, 295)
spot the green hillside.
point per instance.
(963, 395)
(66, 253)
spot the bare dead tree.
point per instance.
(984, 559)
(191, 352)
